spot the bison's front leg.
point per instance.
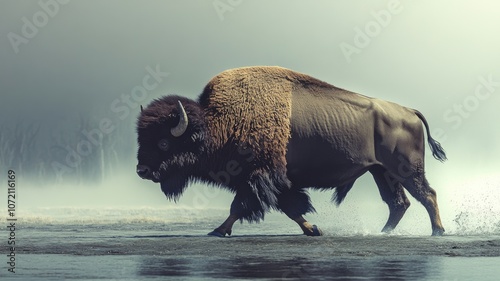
(246, 205)
(295, 203)
(308, 228)
(226, 227)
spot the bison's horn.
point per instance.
(178, 130)
(142, 109)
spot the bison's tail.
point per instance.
(436, 148)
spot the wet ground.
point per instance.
(268, 257)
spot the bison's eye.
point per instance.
(163, 144)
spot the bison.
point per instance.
(268, 133)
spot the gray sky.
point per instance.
(82, 57)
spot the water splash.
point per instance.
(477, 208)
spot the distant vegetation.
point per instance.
(43, 154)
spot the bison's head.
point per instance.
(171, 133)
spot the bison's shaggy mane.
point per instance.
(248, 106)
(164, 109)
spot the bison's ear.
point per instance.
(178, 130)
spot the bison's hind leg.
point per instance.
(393, 194)
(419, 188)
(295, 203)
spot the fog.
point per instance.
(73, 74)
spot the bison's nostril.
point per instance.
(143, 171)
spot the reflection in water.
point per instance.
(373, 267)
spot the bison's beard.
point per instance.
(175, 174)
(174, 186)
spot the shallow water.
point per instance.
(140, 267)
(146, 243)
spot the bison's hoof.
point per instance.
(438, 232)
(315, 231)
(216, 233)
(219, 233)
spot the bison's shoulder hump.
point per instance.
(251, 106)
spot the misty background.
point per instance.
(73, 73)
